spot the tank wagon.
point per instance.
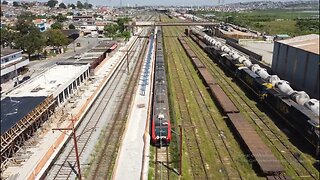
(296, 108)
(248, 137)
(160, 127)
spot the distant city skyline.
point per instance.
(156, 2)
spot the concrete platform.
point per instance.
(133, 158)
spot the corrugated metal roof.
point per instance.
(308, 43)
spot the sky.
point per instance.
(156, 2)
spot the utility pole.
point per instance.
(74, 46)
(180, 147)
(16, 73)
(128, 62)
(180, 154)
(75, 144)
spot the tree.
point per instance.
(87, 5)
(56, 25)
(5, 2)
(26, 15)
(59, 18)
(111, 30)
(56, 38)
(62, 5)
(69, 13)
(7, 37)
(52, 3)
(71, 6)
(80, 5)
(121, 22)
(71, 26)
(126, 35)
(28, 36)
(15, 4)
(23, 25)
(31, 42)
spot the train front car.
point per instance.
(161, 130)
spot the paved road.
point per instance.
(86, 44)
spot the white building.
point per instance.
(61, 81)
(12, 63)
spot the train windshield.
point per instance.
(161, 132)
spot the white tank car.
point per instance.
(313, 105)
(225, 49)
(300, 97)
(273, 79)
(234, 55)
(284, 87)
(247, 63)
(263, 73)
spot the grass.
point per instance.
(151, 164)
(277, 21)
(241, 162)
(96, 150)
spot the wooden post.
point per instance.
(180, 163)
(76, 149)
(128, 62)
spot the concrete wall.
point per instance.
(299, 67)
(66, 90)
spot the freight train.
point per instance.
(248, 137)
(160, 127)
(295, 107)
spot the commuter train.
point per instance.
(160, 127)
(295, 107)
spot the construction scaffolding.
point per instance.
(14, 138)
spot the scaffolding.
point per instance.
(13, 139)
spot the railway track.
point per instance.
(294, 164)
(103, 167)
(65, 165)
(221, 144)
(162, 170)
(195, 155)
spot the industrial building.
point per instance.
(25, 109)
(297, 61)
(12, 63)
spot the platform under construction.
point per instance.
(33, 112)
(27, 107)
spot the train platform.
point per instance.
(132, 161)
(31, 161)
